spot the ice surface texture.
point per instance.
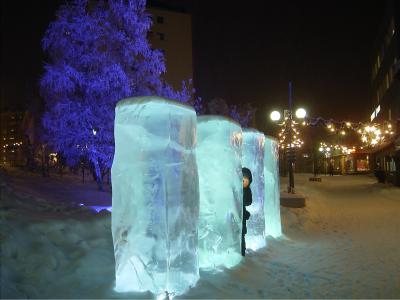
(272, 190)
(155, 200)
(253, 158)
(221, 191)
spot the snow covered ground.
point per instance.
(344, 244)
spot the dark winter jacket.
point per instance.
(247, 198)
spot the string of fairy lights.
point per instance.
(328, 149)
(295, 140)
(371, 134)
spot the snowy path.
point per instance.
(348, 237)
(344, 244)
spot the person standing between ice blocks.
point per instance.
(247, 200)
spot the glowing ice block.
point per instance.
(221, 192)
(272, 190)
(253, 159)
(155, 196)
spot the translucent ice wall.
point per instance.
(272, 190)
(253, 158)
(155, 196)
(221, 191)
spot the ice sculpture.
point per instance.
(220, 180)
(253, 158)
(155, 199)
(272, 190)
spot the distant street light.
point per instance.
(291, 135)
(275, 115)
(301, 113)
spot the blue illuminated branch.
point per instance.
(98, 54)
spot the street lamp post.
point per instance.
(290, 157)
(291, 143)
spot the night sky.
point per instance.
(244, 51)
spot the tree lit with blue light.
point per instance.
(98, 53)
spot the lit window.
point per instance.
(391, 28)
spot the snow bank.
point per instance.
(51, 250)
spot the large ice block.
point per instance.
(272, 190)
(221, 193)
(253, 159)
(155, 196)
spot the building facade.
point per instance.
(385, 73)
(353, 163)
(171, 33)
(386, 92)
(12, 138)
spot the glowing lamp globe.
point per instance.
(275, 115)
(301, 113)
